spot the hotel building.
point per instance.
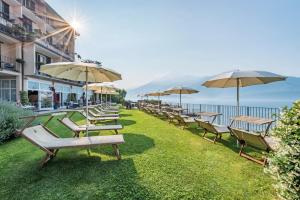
(31, 34)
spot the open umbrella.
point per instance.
(107, 91)
(180, 91)
(80, 71)
(239, 79)
(157, 94)
(99, 87)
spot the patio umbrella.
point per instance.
(101, 87)
(239, 79)
(107, 91)
(180, 91)
(157, 94)
(80, 71)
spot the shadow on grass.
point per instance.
(80, 176)
(134, 144)
(125, 115)
(227, 140)
(126, 122)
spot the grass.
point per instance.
(159, 161)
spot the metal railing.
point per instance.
(7, 63)
(228, 112)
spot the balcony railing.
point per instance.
(15, 30)
(58, 49)
(228, 112)
(8, 63)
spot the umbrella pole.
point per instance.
(180, 99)
(238, 96)
(86, 101)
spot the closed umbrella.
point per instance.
(80, 71)
(239, 79)
(180, 91)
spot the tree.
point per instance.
(119, 98)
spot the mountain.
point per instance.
(273, 94)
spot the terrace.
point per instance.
(159, 161)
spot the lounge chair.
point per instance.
(97, 114)
(208, 127)
(107, 109)
(77, 129)
(100, 110)
(94, 120)
(169, 116)
(51, 143)
(255, 140)
(183, 120)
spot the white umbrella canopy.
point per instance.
(100, 88)
(180, 91)
(78, 71)
(81, 71)
(239, 79)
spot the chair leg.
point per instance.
(116, 132)
(48, 157)
(262, 162)
(117, 152)
(216, 137)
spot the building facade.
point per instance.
(33, 34)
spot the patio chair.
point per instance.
(208, 127)
(77, 129)
(49, 142)
(255, 140)
(183, 120)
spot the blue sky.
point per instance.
(146, 40)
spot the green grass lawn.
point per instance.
(159, 161)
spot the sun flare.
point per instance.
(75, 24)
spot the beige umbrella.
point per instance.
(107, 91)
(180, 91)
(157, 94)
(239, 79)
(80, 71)
(101, 87)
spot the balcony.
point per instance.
(8, 63)
(56, 48)
(15, 31)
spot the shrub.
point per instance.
(24, 98)
(9, 120)
(285, 162)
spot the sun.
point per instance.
(75, 24)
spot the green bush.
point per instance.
(285, 162)
(9, 119)
(24, 98)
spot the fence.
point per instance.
(228, 112)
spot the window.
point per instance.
(4, 10)
(8, 90)
(30, 4)
(32, 85)
(41, 60)
(27, 24)
(45, 86)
